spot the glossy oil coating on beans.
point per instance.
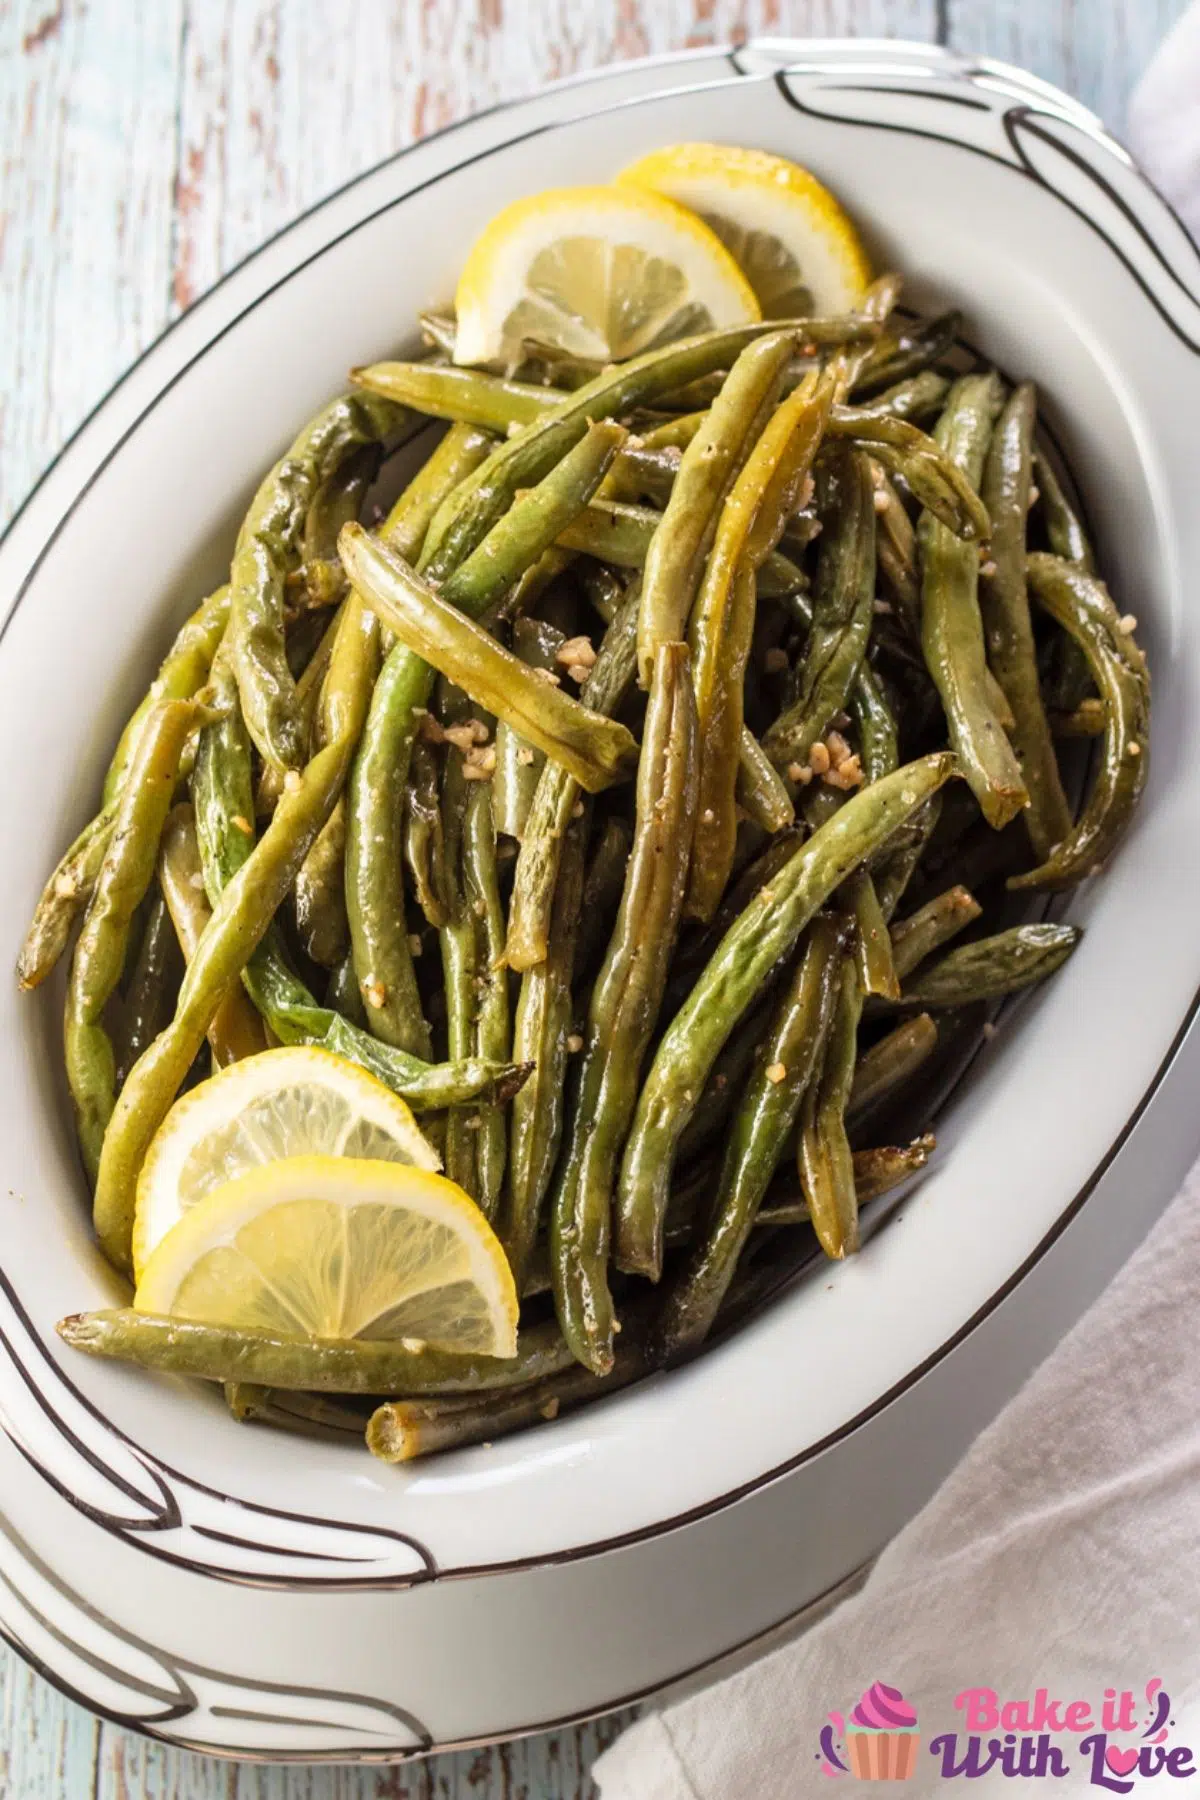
(952, 632)
(1082, 606)
(121, 883)
(624, 1007)
(843, 608)
(791, 1054)
(649, 926)
(1008, 629)
(269, 544)
(993, 966)
(766, 931)
(675, 560)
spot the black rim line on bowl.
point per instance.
(184, 1701)
(778, 79)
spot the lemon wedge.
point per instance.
(790, 237)
(288, 1102)
(601, 273)
(331, 1247)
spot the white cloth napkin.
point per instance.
(1064, 1551)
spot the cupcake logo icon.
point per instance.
(879, 1741)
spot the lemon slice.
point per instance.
(791, 238)
(596, 272)
(281, 1103)
(330, 1247)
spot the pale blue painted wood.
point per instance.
(1096, 49)
(145, 146)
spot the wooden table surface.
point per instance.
(147, 146)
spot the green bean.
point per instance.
(850, 362)
(620, 534)
(825, 1161)
(146, 1003)
(557, 795)
(761, 1127)
(907, 351)
(896, 549)
(268, 546)
(763, 496)
(240, 919)
(236, 1029)
(759, 789)
(939, 483)
(843, 612)
(376, 833)
(338, 498)
(424, 843)
(673, 434)
(121, 884)
(308, 701)
(64, 897)
(314, 1365)
(1064, 528)
(596, 750)
(764, 933)
(757, 875)
(952, 631)
(295, 1018)
(1081, 605)
(1004, 605)
(518, 764)
(343, 994)
(931, 926)
(993, 966)
(711, 462)
(707, 1127)
(526, 458)
(182, 673)
(245, 900)
(319, 896)
(493, 1029)
(642, 472)
(878, 745)
(895, 870)
(877, 972)
(623, 1010)
(540, 1033)
(919, 396)
(459, 940)
(889, 1062)
(876, 1172)
(465, 395)
(404, 1429)
(602, 888)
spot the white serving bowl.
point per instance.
(254, 1594)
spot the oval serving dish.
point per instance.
(256, 1595)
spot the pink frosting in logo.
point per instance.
(883, 1708)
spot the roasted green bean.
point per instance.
(1008, 632)
(766, 931)
(993, 966)
(761, 1127)
(121, 884)
(951, 630)
(623, 1010)
(675, 560)
(1082, 606)
(269, 545)
(317, 1365)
